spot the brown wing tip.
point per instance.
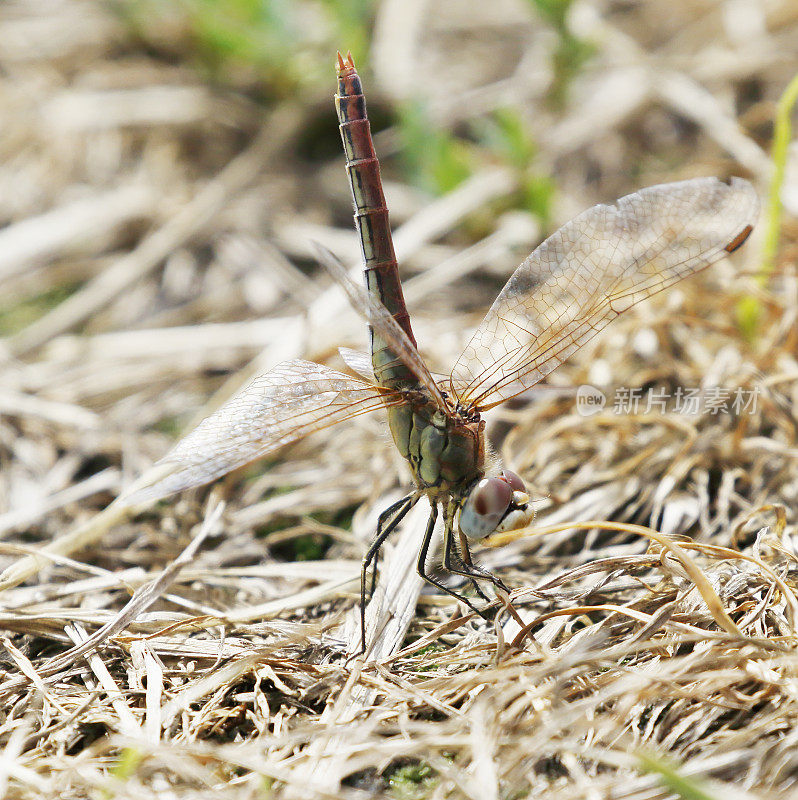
(739, 240)
(345, 64)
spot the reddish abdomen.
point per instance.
(371, 219)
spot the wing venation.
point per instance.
(591, 270)
(276, 408)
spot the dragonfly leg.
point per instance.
(373, 553)
(460, 563)
(395, 513)
(422, 563)
(454, 563)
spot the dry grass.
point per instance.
(157, 253)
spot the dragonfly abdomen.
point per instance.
(371, 219)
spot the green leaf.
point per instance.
(685, 788)
(435, 159)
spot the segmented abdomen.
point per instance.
(371, 219)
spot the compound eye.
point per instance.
(514, 479)
(485, 507)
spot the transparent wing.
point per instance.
(381, 320)
(358, 362)
(593, 269)
(276, 408)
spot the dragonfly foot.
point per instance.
(459, 564)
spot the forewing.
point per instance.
(593, 269)
(381, 320)
(276, 408)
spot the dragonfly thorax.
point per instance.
(445, 451)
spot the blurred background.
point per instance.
(165, 168)
(167, 165)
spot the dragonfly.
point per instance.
(587, 273)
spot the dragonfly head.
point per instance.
(498, 503)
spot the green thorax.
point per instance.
(445, 452)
